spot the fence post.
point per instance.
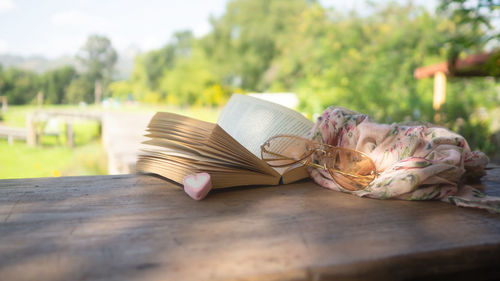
(439, 93)
(4, 103)
(30, 126)
(69, 134)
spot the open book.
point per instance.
(229, 150)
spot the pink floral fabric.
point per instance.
(420, 162)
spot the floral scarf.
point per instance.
(422, 162)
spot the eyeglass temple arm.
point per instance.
(308, 162)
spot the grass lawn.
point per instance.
(53, 158)
(22, 161)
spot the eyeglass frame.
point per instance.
(306, 159)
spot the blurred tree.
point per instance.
(56, 82)
(120, 89)
(186, 83)
(249, 36)
(470, 108)
(139, 80)
(156, 62)
(474, 26)
(80, 89)
(364, 63)
(98, 57)
(150, 68)
(20, 86)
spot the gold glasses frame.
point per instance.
(348, 180)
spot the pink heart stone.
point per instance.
(197, 185)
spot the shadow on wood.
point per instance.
(140, 227)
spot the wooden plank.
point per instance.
(140, 227)
(67, 116)
(15, 132)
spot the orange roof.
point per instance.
(469, 66)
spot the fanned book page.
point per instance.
(179, 145)
(252, 121)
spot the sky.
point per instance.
(54, 28)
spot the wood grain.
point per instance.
(140, 227)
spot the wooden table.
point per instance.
(140, 227)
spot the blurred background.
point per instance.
(79, 80)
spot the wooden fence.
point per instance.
(36, 121)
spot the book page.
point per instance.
(169, 130)
(179, 146)
(252, 121)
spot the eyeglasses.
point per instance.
(351, 169)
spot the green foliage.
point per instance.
(147, 80)
(120, 89)
(188, 80)
(139, 83)
(248, 37)
(472, 18)
(98, 57)
(363, 63)
(20, 86)
(62, 85)
(179, 73)
(80, 89)
(478, 135)
(470, 111)
(56, 82)
(157, 61)
(237, 54)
